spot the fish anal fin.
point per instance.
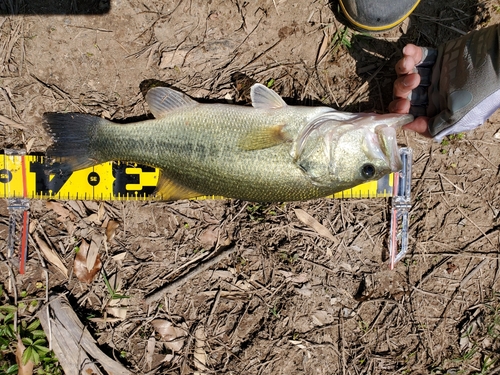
(164, 100)
(264, 138)
(170, 190)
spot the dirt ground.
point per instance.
(286, 300)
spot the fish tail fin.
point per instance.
(73, 135)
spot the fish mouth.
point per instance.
(386, 147)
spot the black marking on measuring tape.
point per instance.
(113, 181)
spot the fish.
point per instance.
(267, 152)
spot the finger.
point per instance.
(412, 56)
(405, 84)
(399, 105)
(405, 65)
(419, 125)
(414, 52)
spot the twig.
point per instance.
(158, 293)
(473, 223)
(451, 183)
(480, 153)
(464, 281)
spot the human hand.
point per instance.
(453, 88)
(408, 80)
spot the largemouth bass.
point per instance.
(270, 152)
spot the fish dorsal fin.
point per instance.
(163, 100)
(170, 191)
(265, 98)
(264, 138)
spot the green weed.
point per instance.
(34, 340)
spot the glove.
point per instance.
(460, 83)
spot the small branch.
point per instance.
(158, 293)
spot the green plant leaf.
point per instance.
(4, 343)
(12, 369)
(8, 308)
(27, 354)
(27, 341)
(35, 357)
(40, 342)
(8, 317)
(10, 331)
(34, 325)
(42, 350)
(38, 334)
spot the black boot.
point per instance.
(377, 15)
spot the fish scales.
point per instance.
(201, 148)
(267, 152)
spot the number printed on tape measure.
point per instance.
(108, 181)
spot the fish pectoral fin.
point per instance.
(265, 98)
(264, 138)
(170, 191)
(164, 100)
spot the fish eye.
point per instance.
(368, 170)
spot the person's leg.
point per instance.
(377, 15)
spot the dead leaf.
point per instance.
(298, 344)
(91, 205)
(173, 337)
(101, 212)
(324, 45)
(319, 318)
(294, 278)
(116, 282)
(200, 355)
(51, 256)
(62, 211)
(119, 312)
(29, 144)
(95, 245)
(11, 123)
(111, 230)
(80, 268)
(208, 238)
(313, 223)
(93, 219)
(24, 369)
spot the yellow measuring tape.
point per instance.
(27, 176)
